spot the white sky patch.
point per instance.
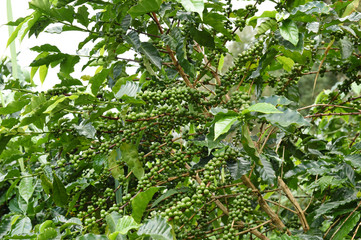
(67, 42)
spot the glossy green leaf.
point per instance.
(22, 226)
(97, 80)
(266, 14)
(14, 106)
(347, 226)
(60, 196)
(203, 37)
(112, 220)
(59, 100)
(266, 171)
(346, 48)
(269, 24)
(82, 16)
(16, 31)
(289, 31)
(239, 168)
(48, 234)
(157, 228)
(286, 62)
(26, 188)
(140, 202)
(275, 100)
(151, 53)
(223, 123)
(217, 22)
(248, 144)
(310, 8)
(264, 108)
(287, 118)
(130, 89)
(125, 224)
(48, 59)
(328, 206)
(145, 6)
(193, 6)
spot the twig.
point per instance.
(324, 105)
(329, 229)
(294, 202)
(338, 229)
(320, 66)
(253, 228)
(354, 235)
(332, 114)
(280, 205)
(262, 202)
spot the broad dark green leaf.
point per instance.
(217, 22)
(60, 196)
(67, 65)
(83, 16)
(45, 48)
(287, 118)
(157, 228)
(112, 220)
(222, 123)
(266, 14)
(248, 144)
(239, 168)
(266, 171)
(4, 141)
(145, 6)
(151, 53)
(125, 224)
(326, 207)
(48, 59)
(203, 37)
(99, 162)
(98, 79)
(347, 226)
(275, 100)
(289, 31)
(140, 202)
(14, 106)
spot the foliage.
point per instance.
(179, 149)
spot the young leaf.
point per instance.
(286, 62)
(289, 31)
(140, 202)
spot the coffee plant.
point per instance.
(162, 142)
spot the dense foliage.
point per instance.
(163, 143)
